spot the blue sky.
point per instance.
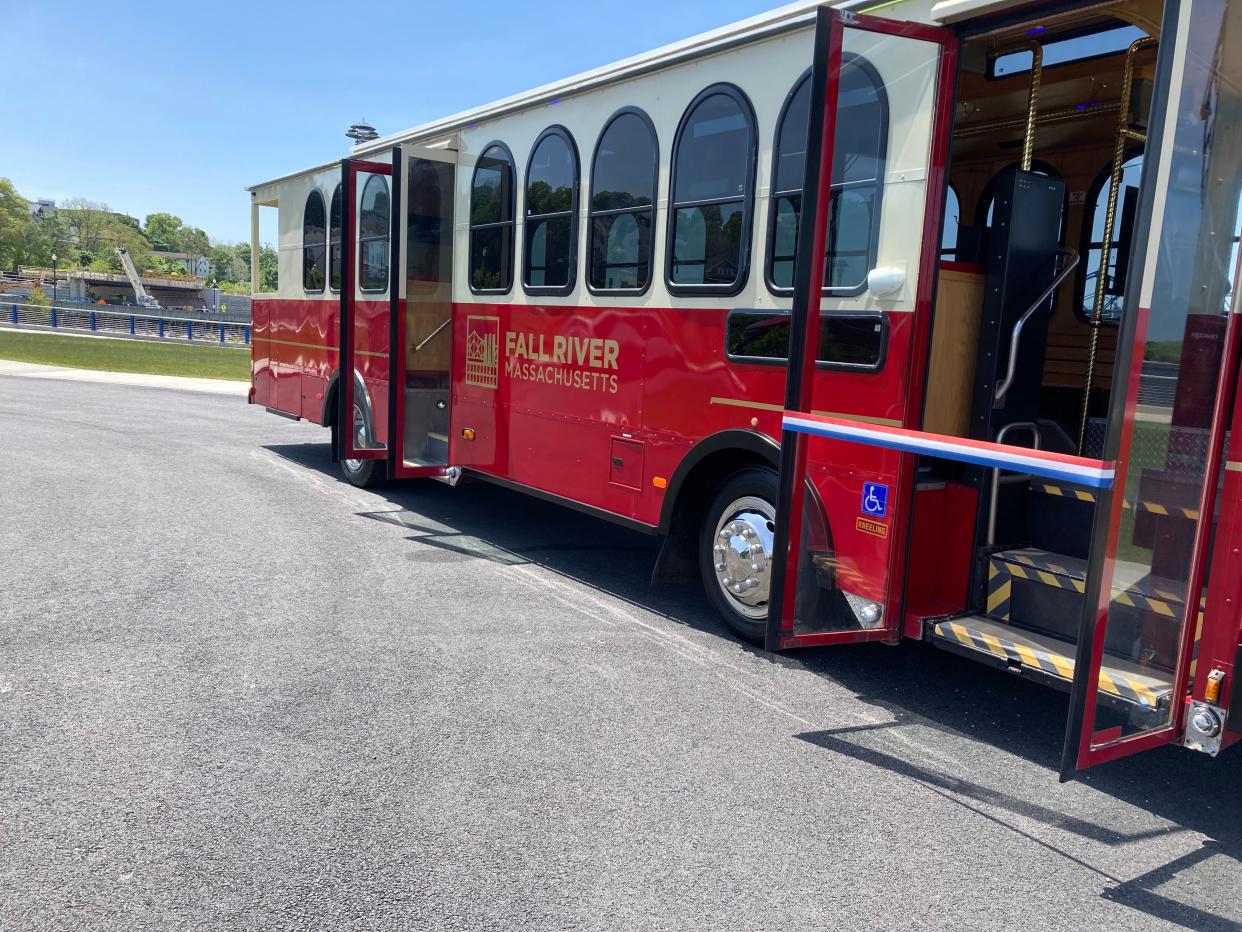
(179, 106)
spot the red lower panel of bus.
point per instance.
(556, 395)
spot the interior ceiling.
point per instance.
(1086, 88)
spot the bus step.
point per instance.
(1050, 659)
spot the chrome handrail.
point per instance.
(996, 471)
(1071, 263)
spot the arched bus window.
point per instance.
(857, 171)
(334, 241)
(549, 259)
(491, 222)
(1119, 248)
(624, 173)
(373, 231)
(314, 233)
(710, 194)
(952, 220)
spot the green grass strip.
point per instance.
(201, 362)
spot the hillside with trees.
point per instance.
(84, 234)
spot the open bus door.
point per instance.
(368, 282)
(1148, 575)
(846, 587)
(396, 301)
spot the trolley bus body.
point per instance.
(997, 418)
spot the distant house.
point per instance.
(42, 208)
(198, 266)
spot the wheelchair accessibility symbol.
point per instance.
(874, 499)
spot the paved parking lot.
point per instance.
(236, 692)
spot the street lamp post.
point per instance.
(53, 279)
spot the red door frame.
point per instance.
(830, 26)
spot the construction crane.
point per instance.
(131, 273)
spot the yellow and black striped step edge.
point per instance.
(1064, 490)
(1118, 678)
(1069, 573)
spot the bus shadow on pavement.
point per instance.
(916, 684)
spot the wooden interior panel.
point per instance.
(955, 343)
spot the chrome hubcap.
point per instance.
(742, 554)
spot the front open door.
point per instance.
(1146, 586)
(841, 530)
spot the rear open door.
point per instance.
(368, 281)
(396, 306)
(841, 583)
(1148, 568)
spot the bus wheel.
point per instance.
(735, 550)
(362, 472)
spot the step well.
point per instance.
(1051, 659)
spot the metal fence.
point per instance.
(126, 324)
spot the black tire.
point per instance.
(361, 473)
(365, 473)
(758, 484)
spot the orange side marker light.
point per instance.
(467, 433)
(1211, 692)
(659, 482)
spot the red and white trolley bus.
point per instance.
(896, 319)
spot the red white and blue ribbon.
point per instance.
(1078, 470)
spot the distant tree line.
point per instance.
(84, 234)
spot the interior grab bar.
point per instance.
(431, 336)
(1071, 262)
(1037, 436)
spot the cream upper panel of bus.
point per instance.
(292, 194)
(766, 72)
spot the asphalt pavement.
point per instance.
(236, 692)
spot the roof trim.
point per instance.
(783, 19)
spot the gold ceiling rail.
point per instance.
(1124, 134)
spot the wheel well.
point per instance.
(701, 482)
(328, 418)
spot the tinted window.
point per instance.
(491, 222)
(551, 218)
(334, 241)
(623, 191)
(710, 217)
(373, 220)
(314, 233)
(1076, 48)
(857, 173)
(844, 339)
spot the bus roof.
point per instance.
(783, 19)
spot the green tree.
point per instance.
(88, 223)
(163, 232)
(269, 266)
(15, 220)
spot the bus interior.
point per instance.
(1047, 150)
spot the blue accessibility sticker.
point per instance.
(874, 499)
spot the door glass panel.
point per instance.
(428, 309)
(1147, 592)
(847, 535)
(369, 313)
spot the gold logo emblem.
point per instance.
(483, 351)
